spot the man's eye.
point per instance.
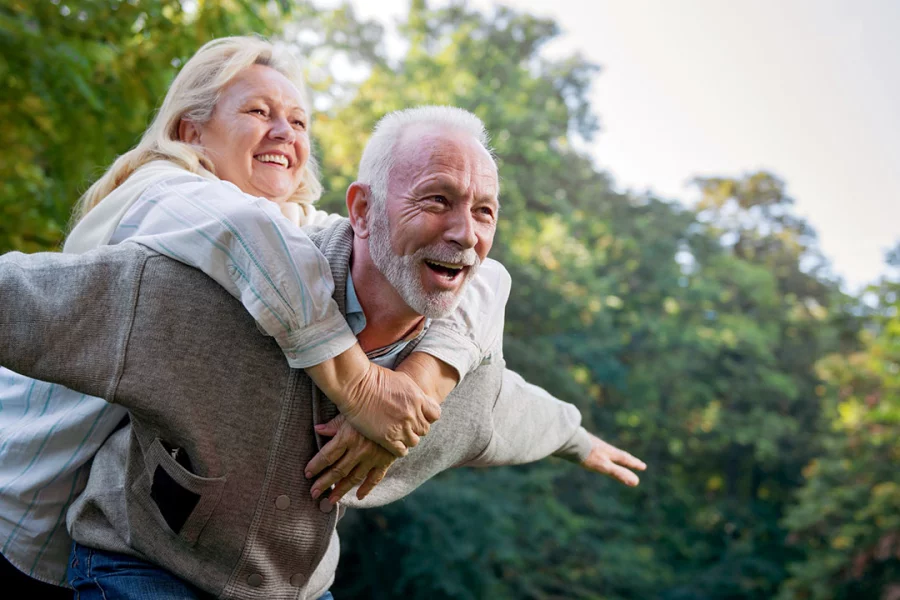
(300, 124)
(440, 199)
(486, 211)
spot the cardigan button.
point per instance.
(255, 580)
(297, 580)
(282, 502)
(325, 505)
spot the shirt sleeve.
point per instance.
(65, 318)
(529, 424)
(249, 248)
(466, 338)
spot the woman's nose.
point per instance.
(280, 129)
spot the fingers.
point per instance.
(327, 456)
(606, 466)
(346, 484)
(609, 460)
(353, 469)
(431, 410)
(414, 427)
(399, 448)
(623, 458)
(330, 428)
(345, 462)
(331, 476)
(419, 428)
(622, 474)
(627, 460)
(372, 479)
(413, 438)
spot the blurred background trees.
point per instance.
(709, 340)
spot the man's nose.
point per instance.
(280, 129)
(461, 229)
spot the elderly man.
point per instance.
(207, 485)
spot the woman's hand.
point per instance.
(387, 407)
(346, 461)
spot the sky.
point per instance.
(807, 89)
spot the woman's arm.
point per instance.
(450, 349)
(274, 269)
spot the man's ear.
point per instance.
(188, 132)
(358, 208)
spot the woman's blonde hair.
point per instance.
(193, 96)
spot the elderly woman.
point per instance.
(210, 183)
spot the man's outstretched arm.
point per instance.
(527, 424)
(530, 424)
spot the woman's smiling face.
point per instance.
(257, 137)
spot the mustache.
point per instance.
(447, 254)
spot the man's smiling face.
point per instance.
(437, 224)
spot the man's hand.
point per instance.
(347, 460)
(609, 460)
(387, 407)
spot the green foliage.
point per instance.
(78, 84)
(847, 517)
(712, 343)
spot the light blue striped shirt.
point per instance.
(48, 433)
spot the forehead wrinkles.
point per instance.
(445, 157)
(259, 81)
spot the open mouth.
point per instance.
(274, 159)
(447, 271)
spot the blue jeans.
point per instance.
(101, 575)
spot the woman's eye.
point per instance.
(300, 124)
(258, 111)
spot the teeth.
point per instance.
(273, 158)
(445, 265)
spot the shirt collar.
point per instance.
(356, 319)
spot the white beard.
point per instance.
(403, 271)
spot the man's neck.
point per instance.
(388, 317)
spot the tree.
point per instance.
(671, 341)
(847, 517)
(70, 101)
(694, 338)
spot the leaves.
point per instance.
(78, 84)
(713, 343)
(846, 514)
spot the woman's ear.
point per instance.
(188, 132)
(358, 208)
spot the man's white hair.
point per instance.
(378, 156)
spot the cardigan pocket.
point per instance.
(179, 500)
